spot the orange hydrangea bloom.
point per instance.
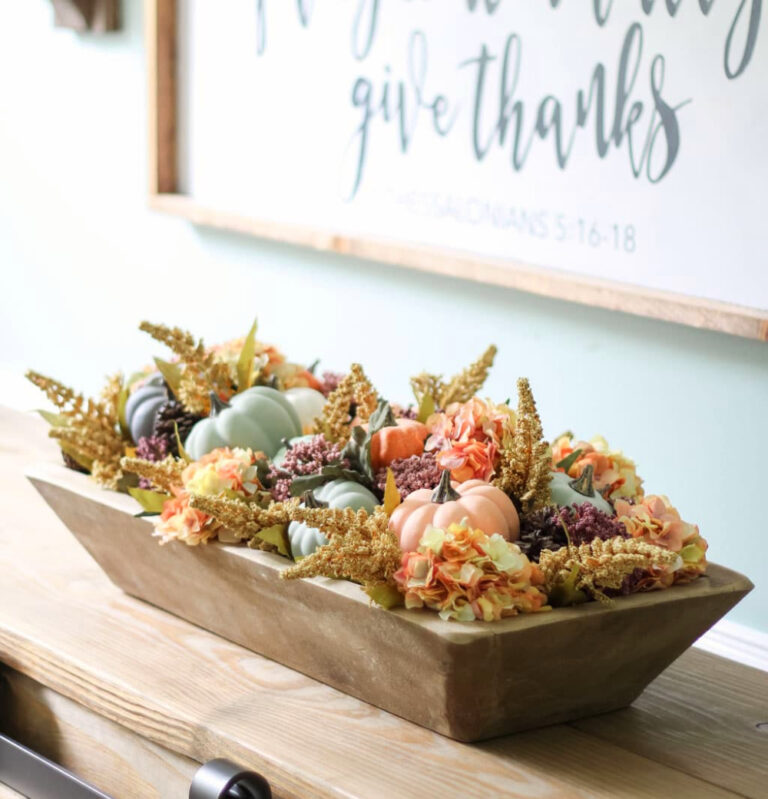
(465, 574)
(656, 521)
(466, 437)
(231, 472)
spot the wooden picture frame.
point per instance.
(164, 196)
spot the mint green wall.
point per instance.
(83, 262)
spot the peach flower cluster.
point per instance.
(466, 437)
(227, 472)
(615, 475)
(465, 574)
(271, 361)
(656, 521)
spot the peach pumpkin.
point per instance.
(483, 505)
(403, 438)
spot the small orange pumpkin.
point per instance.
(485, 507)
(401, 440)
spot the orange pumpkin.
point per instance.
(485, 507)
(402, 440)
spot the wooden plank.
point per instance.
(671, 724)
(160, 37)
(65, 626)
(208, 585)
(611, 295)
(110, 757)
(201, 697)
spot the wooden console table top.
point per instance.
(67, 630)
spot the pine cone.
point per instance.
(171, 412)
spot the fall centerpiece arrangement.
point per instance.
(453, 503)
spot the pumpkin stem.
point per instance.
(583, 484)
(217, 405)
(445, 491)
(309, 500)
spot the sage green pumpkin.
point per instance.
(142, 407)
(307, 403)
(258, 419)
(566, 490)
(336, 494)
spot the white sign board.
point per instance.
(617, 139)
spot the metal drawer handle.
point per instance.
(34, 775)
(223, 779)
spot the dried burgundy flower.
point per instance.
(404, 413)
(302, 458)
(543, 529)
(330, 382)
(411, 474)
(151, 448)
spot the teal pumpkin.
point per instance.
(307, 403)
(258, 419)
(142, 407)
(566, 490)
(336, 494)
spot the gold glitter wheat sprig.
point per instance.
(354, 389)
(524, 467)
(201, 371)
(89, 428)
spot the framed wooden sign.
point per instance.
(604, 153)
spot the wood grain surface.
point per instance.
(348, 644)
(62, 624)
(108, 755)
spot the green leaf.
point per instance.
(172, 374)
(566, 593)
(277, 535)
(385, 595)
(327, 474)
(691, 553)
(54, 419)
(569, 460)
(391, 494)
(143, 513)
(77, 456)
(358, 451)
(151, 501)
(183, 454)
(245, 361)
(122, 400)
(426, 408)
(381, 417)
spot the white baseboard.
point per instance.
(737, 642)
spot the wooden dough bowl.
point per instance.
(469, 681)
